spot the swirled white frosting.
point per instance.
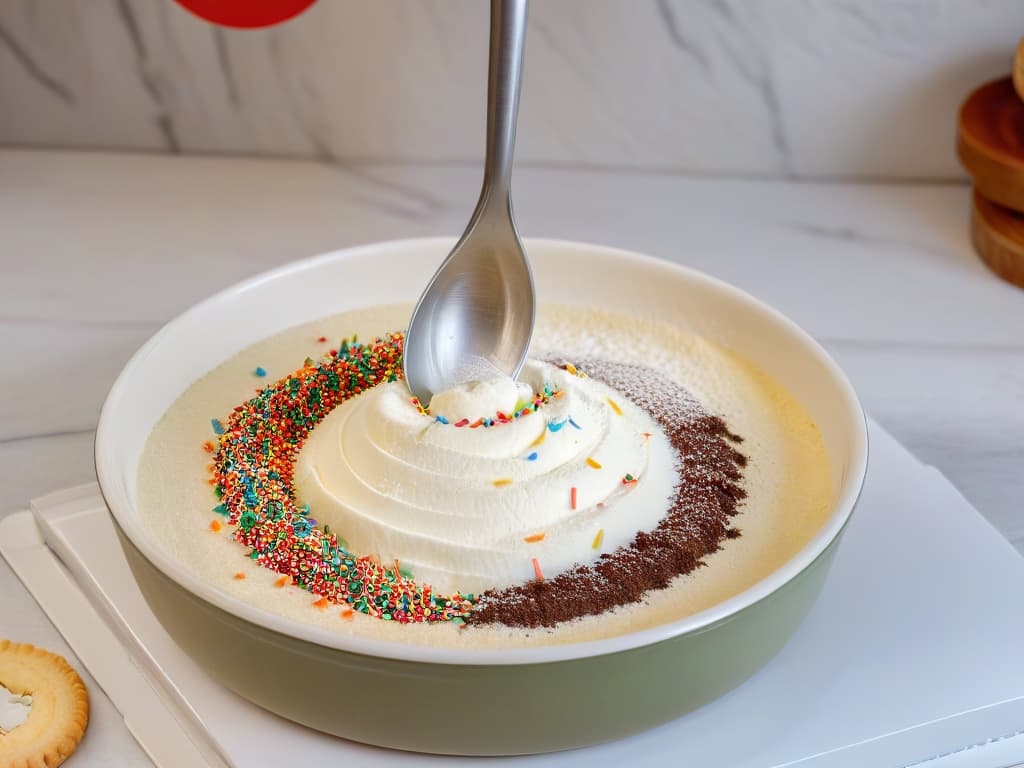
(457, 505)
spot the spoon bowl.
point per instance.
(475, 320)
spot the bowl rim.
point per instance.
(127, 521)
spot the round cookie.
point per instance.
(60, 707)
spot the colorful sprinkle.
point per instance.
(322, 339)
(239, 576)
(614, 405)
(540, 438)
(572, 497)
(218, 428)
(536, 570)
(598, 539)
(534, 538)
(220, 509)
(532, 456)
(215, 526)
(500, 417)
(254, 471)
(502, 481)
(591, 462)
(628, 480)
(574, 424)
(555, 426)
(209, 447)
(260, 371)
(348, 613)
(321, 603)
(571, 369)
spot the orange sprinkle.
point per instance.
(537, 571)
(398, 572)
(647, 435)
(208, 446)
(502, 481)
(599, 538)
(210, 467)
(282, 581)
(558, 393)
(212, 481)
(572, 497)
(347, 613)
(614, 405)
(540, 438)
(239, 576)
(593, 463)
(534, 538)
(571, 368)
(321, 603)
(215, 525)
(477, 423)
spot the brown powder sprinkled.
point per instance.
(695, 524)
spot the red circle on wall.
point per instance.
(246, 14)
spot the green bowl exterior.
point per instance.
(479, 709)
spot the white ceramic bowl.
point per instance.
(514, 701)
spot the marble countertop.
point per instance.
(101, 249)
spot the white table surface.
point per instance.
(98, 250)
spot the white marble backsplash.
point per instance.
(804, 88)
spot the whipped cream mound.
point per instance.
(478, 399)
(469, 509)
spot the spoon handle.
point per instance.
(508, 34)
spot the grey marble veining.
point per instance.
(798, 88)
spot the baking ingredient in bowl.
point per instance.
(787, 482)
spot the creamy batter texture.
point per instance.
(787, 479)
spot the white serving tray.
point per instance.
(914, 654)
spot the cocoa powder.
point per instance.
(695, 524)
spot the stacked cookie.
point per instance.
(990, 144)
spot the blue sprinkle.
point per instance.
(574, 423)
(218, 428)
(220, 509)
(261, 372)
(532, 456)
(441, 419)
(555, 426)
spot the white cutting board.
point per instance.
(914, 650)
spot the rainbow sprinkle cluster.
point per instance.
(522, 409)
(253, 470)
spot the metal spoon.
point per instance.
(475, 319)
